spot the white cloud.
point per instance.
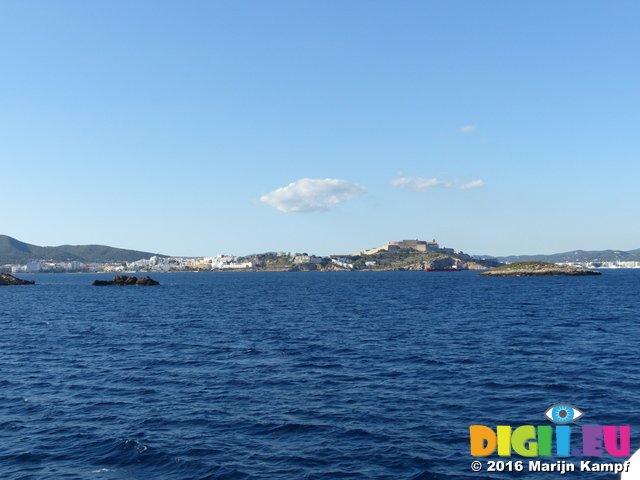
(468, 128)
(472, 184)
(309, 195)
(420, 184)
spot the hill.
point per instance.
(14, 251)
(411, 259)
(578, 256)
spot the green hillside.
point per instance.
(13, 251)
(405, 258)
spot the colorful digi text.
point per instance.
(545, 441)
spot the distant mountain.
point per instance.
(578, 256)
(14, 251)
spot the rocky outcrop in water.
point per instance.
(444, 263)
(122, 280)
(440, 263)
(537, 269)
(6, 279)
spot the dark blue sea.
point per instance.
(351, 375)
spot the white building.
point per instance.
(307, 259)
(239, 265)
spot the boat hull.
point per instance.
(442, 269)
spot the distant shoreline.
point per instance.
(230, 271)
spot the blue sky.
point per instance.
(206, 127)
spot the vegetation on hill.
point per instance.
(524, 265)
(403, 259)
(527, 269)
(13, 251)
(394, 260)
(271, 261)
(284, 263)
(408, 259)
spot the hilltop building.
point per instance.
(301, 259)
(420, 245)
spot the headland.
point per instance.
(537, 269)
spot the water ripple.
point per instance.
(302, 376)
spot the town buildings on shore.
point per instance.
(224, 262)
(155, 264)
(610, 264)
(231, 262)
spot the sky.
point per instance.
(201, 128)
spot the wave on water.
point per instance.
(285, 376)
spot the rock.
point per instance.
(121, 280)
(537, 269)
(6, 279)
(441, 263)
(124, 280)
(471, 265)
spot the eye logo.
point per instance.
(562, 413)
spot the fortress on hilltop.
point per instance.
(419, 245)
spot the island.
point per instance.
(121, 280)
(6, 279)
(536, 269)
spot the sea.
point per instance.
(307, 375)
